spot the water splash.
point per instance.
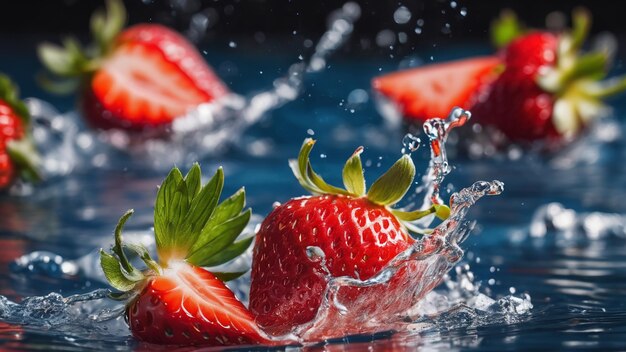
(404, 282)
(555, 218)
(82, 314)
(437, 130)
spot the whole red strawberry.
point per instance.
(357, 233)
(176, 301)
(140, 78)
(17, 152)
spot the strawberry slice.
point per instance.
(138, 78)
(176, 301)
(189, 304)
(425, 92)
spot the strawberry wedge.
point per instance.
(432, 90)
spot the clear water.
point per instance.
(568, 258)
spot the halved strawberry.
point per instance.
(144, 76)
(432, 90)
(358, 234)
(18, 155)
(176, 301)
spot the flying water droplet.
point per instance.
(410, 143)
(402, 15)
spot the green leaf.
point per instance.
(393, 184)
(229, 253)
(228, 209)
(201, 208)
(113, 272)
(56, 59)
(304, 173)
(353, 178)
(217, 239)
(162, 210)
(193, 179)
(23, 153)
(114, 22)
(62, 86)
(605, 89)
(143, 253)
(223, 276)
(413, 215)
(581, 23)
(505, 29)
(442, 211)
(128, 270)
(319, 182)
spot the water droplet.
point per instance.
(402, 37)
(402, 15)
(385, 38)
(315, 254)
(410, 143)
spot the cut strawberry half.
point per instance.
(188, 304)
(424, 92)
(134, 79)
(175, 301)
(138, 86)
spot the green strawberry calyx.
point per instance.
(576, 80)
(22, 152)
(386, 191)
(190, 225)
(71, 61)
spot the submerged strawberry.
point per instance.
(18, 156)
(176, 301)
(432, 90)
(142, 77)
(358, 233)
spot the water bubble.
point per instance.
(357, 97)
(410, 143)
(385, 38)
(402, 37)
(315, 254)
(232, 44)
(463, 12)
(446, 29)
(402, 15)
(310, 132)
(453, 4)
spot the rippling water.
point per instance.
(576, 281)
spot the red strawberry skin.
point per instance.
(358, 239)
(514, 103)
(151, 76)
(11, 128)
(432, 90)
(188, 305)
